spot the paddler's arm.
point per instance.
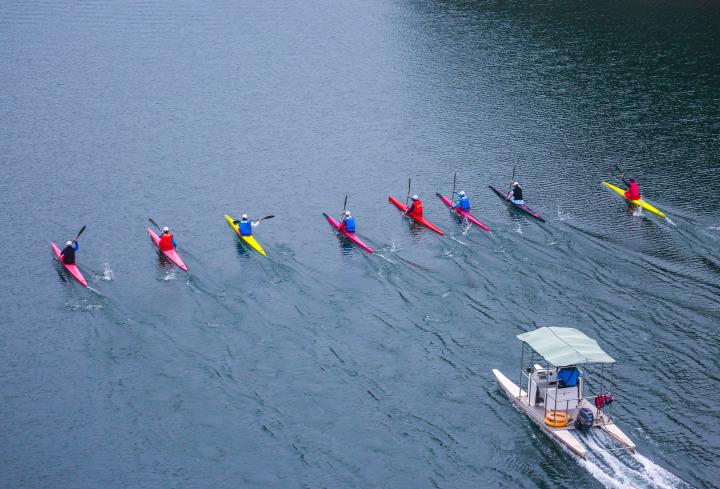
(625, 180)
(75, 245)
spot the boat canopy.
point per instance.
(565, 346)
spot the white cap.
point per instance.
(347, 214)
(461, 193)
(515, 184)
(69, 243)
(166, 229)
(415, 197)
(244, 217)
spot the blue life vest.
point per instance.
(465, 203)
(245, 228)
(349, 224)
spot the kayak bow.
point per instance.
(72, 269)
(420, 220)
(466, 214)
(249, 240)
(171, 254)
(350, 236)
(640, 202)
(521, 207)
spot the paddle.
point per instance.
(452, 195)
(81, 231)
(511, 182)
(407, 199)
(256, 220)
(342, 214)
(154, 223)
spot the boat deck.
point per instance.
(562, 434)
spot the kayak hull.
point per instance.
(522, 208)
(171, 254)
(72, 269)
(466, 214)
(640, 202)
(419, 220)
(248, 240)
(350, 236)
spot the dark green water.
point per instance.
(321, 366)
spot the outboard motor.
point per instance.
(584, 420)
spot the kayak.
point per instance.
(171, 254)
(73, 269)
(249, 240)
(640, 202)
(351, 236)
(466, 214)
(420, 220)
(521, 207)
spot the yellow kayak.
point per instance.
(642, 203)
(249, 240)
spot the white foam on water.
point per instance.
(458, 241)
(714, 228)
(518, 229)
(638, 211)
(170, 275)
(108, 274)
(561, 215)
(621, 469)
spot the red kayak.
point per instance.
(171, 254)
(420, 220)
(351, 236)
(466, 214)
(73, 269)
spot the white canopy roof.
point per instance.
(565, 346)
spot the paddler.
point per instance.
(245, 225)
(416, 208)
(68, 253)
(167, 240)
(347, 223)
(515, 194)
(633, 191)
(463, 201)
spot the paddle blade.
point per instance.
(81, 231)
(153, 223)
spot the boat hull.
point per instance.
(419, 220)
(72, 269)
(466, 214)
(521, 207)
(248, 240)
(350, 236)
(562, 435)
(640, 202)
(171, 254)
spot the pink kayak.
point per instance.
(420, 220)
(466, 214)
(351, 236)
(73, 269)
(171, 254)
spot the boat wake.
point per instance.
(622, 469)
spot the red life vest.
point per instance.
(166, 242)
(633, 193)
(416, 208)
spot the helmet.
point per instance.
(461, 193)
(69, 243)
(515, 184)
(244, 217)
(632, 180)
(415, 197)
(166, 229)
(347, 214)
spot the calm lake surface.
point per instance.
(321, 365)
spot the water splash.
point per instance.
(561, 215)
(108, 273)
(621, 469)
